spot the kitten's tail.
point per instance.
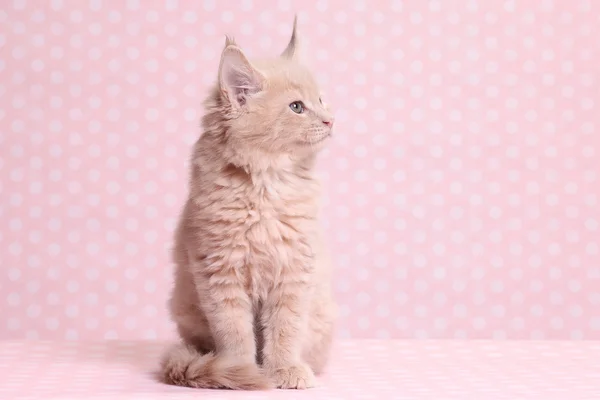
(183, 365)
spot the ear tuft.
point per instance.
(229, 41)
(238, 79)
(291, 50)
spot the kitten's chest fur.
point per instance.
(261, 226)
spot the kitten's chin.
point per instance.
(314, 145)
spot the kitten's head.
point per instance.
(272, 105)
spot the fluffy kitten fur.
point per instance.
(252, 298)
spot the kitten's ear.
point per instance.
(293, 48)
(238, 79)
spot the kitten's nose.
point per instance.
(328, 123)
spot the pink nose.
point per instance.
(328, 123)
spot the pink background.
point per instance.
(462, 194)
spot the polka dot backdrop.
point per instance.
(462, 194)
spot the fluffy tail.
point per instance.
(183, 365)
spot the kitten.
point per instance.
(252, 298)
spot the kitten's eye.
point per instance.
(320, 101)
(297, 107)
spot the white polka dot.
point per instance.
(591, 249)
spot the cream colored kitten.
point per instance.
(252, 298)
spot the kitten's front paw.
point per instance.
(298, 376)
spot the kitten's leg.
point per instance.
(229, 313)
(323, 312)
(284, 322)
(318, 340)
